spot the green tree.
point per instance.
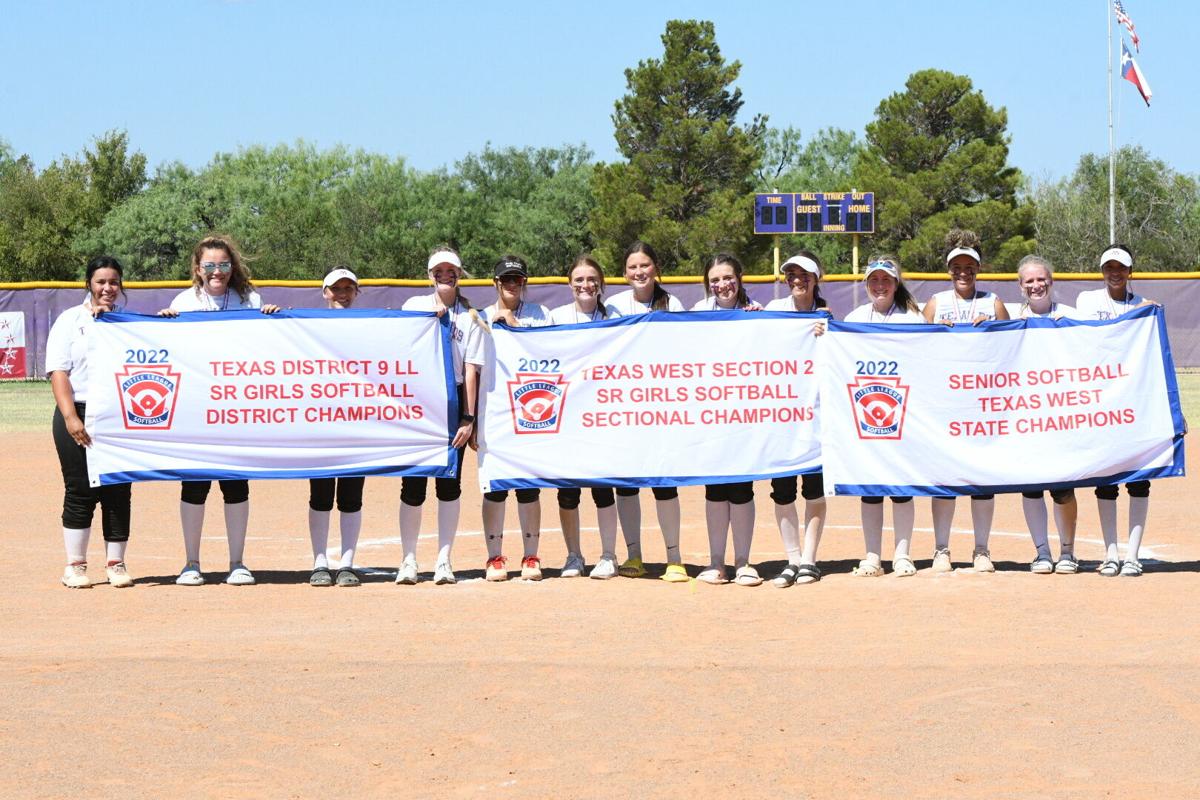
(687, 183)
(936, 158)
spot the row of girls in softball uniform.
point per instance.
(220, 282)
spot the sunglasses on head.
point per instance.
(210, 267)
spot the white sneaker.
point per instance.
(407, 574)
(605, 569)
(75, 576)
(941, 560)
(118, 576)
(982, 561)
(190, 575)
(574, 567)
(239, 575)
(443, 573)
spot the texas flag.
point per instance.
(1131, 73)
(12, 344)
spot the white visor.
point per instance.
(336, 275)
(881, 266)
(963, 251)
(1118, 255)
(444, 257)
(803, 262)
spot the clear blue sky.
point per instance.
(434, 81)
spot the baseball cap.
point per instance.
(963, 251)
(336, 275)
(509, 266)
(444, 257)
(803, 262)
(881, 266)
(1117, 254)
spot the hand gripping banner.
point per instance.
(297, 394)
(1003, 407)
(660, 399)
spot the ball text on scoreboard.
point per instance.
(815, 212)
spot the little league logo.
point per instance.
(878, 405)
(147, 396)
(537, 402)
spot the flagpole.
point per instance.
(1112, 159)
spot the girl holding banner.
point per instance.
(467, 334)
(66, 365)
(892, 303)
(645, 295)
(1116, 298)
(510, 275)
(803, 275)
(220, 282)
(963, 305)
(586, 280)
(728, 505)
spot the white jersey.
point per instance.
(569, 315)
(465, 332)
(949, 307)
(196, 299)
(893, 316)
(710, 304)
(626, 304)
(788, 304)
(529, 315)
(67, 347)
(1098, 304)
(1056, 310)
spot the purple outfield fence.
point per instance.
(41, 305)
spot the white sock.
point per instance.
(872, 525)
(448, 513)
(1108, 527)
(115, 551)
(607, 520)
(350, 523)
(568, 520)
(788, 520)
(1065, 517)
(1037, 520)
(1139, 508)
(814, 523)
(903, 515)
(668, 522)
(629, 511)
(943, 518)
(982, 512)
(530, 517)
(493, 526)
(741, 521)
(716, 516)
(191, 518)
(318, 534)
(76, 541)
(237, 519)
(410, 530)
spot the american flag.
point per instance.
(1123, 19)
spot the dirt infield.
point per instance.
(963, 685)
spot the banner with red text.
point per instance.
(660, 399)
(296, 394)
(1003, 407)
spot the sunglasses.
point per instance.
(210, 267)
(511, 279)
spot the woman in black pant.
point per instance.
(66, 364)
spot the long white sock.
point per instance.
(410, 529)
(788, 520)
(191, 518)
(568, 520)
(530, 517)
(350, 523)
(814, 523)
(1108, 527)
(629, 511)
(607, 520)
(318, 534)
(237, 519)
(668, 522)
(1139, 508)
(76, 542)
(982, 512)
(1037, 520)
(115, 551)
(872, 525)
(448, 513)
(943, 518)
(716, 516)
(903, 515)
(741, 521)
(1065, 518)
(493, 526)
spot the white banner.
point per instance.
(297, 394)
(1004, 407)
(661, 399)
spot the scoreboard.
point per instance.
(815, 212)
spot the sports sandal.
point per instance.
(903, 566)
(868, 569)
(808, 573)
(747, 576)
(1110, 568)
(347, 577)
(786, 576)
(713, 575)
(632, 568)
(321, 576)
(1131, 569)
(675, 573)
(1067, 565)
(1042, 565)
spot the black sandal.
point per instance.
(808, 573)
(320, 577)
(347, 577)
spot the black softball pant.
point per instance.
(196, 492)
(349, 492)
(80, 499)
(812, 487)
(568, 499)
